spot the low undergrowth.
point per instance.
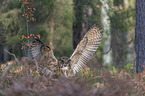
(23, 79)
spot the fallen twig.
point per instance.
(10, 65)
(13, 55)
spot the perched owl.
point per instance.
(84, 51)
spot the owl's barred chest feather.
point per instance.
(48, 67)
(82, 54)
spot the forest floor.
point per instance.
(21, 78)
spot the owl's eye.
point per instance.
(62, 61)
(69, 60)
(64, 65)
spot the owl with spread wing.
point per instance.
(84, 51)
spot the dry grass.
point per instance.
(25, 80)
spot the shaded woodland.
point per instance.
(62, 24)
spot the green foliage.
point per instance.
(13, 25)
(114, 70)
(122, 16)
(11, 40)
(10, 26)
(129, 68)
(9, 19)
(83, 10)
(63, 42)
(61, 12)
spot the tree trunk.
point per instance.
(119, 37)
(107, 57)
(77, 25)
(118, 48)
(140, 35)
(51, 32)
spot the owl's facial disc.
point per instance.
(64, 68)
(64, 63)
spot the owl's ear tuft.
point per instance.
(37, 40)
(48, 47)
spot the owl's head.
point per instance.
(64, 63)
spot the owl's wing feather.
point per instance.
(36, 46)
(39, 50)
(86, 49)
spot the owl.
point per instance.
(49, 65)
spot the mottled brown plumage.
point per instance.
(86, 49)
(44, 56)
(82, 54)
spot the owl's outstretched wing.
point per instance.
(40, 51)
(86, 49)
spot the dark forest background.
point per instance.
(62, 23)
